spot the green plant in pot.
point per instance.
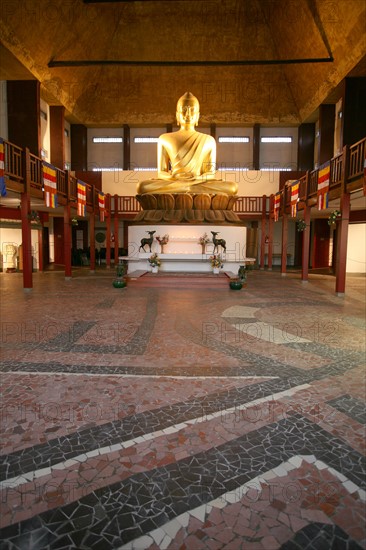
(121, 270)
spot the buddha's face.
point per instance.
(188, 113)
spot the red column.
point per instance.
(270, 233)
(306, 246)
(40, 249)
(284, 244)
(263, 231)
(92, 241)
(116, 244)
(108, 227)
(342, 245)
(26, 225)
(67, 241)
(26, 242)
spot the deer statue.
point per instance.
(148, 241)
(218, 242)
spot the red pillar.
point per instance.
(306, 246)
(108, 227)
(67, 241)
(40, 250)
(284, 244)
(116, 244)
(92, 241)
(26, 225)
(270, 233)
(263, 231)
(26, 242)
(342, 245)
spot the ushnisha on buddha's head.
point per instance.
(188, 110)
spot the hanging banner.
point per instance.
(49, 185)
(101, 203)
(276, 206)
(323, 186)
(2, 168)
(81, 196)
(294, 198)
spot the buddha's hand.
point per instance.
(184, 176)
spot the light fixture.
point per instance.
(233, 139)
(145, 139)
(276, 139)
(116, 139)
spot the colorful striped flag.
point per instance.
(2, 169)
(294, 198)
(49, 185)
(323, 186)
(101, 203)
(276, 206)
(81, 195)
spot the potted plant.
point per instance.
(203, 240)
(301, 225)
(334, 216)
(236, 283)
(216, 263)
(155, 262)
(163, 241)
(121, 270)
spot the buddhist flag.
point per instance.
(81, 193)
(323, 185)
(294, 198)
(276, 206)
(2, 169)
(49, 185)
(101, 203)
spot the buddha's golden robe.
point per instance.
(187, 168)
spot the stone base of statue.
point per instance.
(187, 207)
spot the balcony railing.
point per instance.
(67, 186)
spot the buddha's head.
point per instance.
(188, 110)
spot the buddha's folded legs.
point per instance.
(174, 186)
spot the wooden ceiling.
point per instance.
(248, 61)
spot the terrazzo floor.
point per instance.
(182, 417)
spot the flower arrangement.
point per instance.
(216, 261)
(163, 240)
(301, 225)
(204, 239)
(154, 260)
(333, 217)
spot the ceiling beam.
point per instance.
(231, 63)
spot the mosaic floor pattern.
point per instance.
(170, 417)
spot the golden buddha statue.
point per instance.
(187, 158)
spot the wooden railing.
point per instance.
(357, 155)
(356, 159)
(67, 186)
(13, 161)
(248, 205)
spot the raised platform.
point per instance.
(178, 280)
(194, 263)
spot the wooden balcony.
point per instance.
(346, 173)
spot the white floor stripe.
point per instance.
(163, 536)
(30, 476)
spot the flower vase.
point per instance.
(216, 270)
(162, 248)
(203, 246)
(154, 269)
